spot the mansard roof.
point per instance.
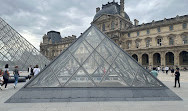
(164, 22)
(111, 8)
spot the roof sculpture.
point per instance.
(93, 68)
(16, 50)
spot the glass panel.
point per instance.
(82, 52)
(80, 79)
(93, 38)
(112, 79)
(45, 79)
(66, 69)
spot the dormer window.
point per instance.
(138, 33)
(184, 25)
(148, 31)
(171, 27)
(158, 29)
(120, 24)
(129, 34)
(112, 25)
(103, 27)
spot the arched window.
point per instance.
(112, 25)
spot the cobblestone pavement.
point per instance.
(104, 106)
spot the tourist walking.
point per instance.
(36, 70)
(166, 69)
(6, 76)
(154, 72)
(16, 76)
(177, 77)
(29, 69)
(1, 78)
(31, 73)
(158, 69)
(163, 69)
(172, 71)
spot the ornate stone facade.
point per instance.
(53, 44)
(159, 43)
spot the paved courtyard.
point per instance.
(104, 106)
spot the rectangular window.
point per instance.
(171, 41)
(138, 33)
(171, 27)
(158, 29)
(159, 42)
(147, 43)
(148, 31)
(184, 25)
(185, 40)
(129, 35)
(128, 45)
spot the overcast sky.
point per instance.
(34, 18)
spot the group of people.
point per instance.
(155, 71)
(33, 71)
(5, 75)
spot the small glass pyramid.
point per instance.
(94, 60)
(16, 50)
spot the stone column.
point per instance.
(150, 59)
(163, 59)
(140, 58)
(176, 58)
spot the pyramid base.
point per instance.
(37, 95)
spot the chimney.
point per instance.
(136, 22)
(97, 9)
(122, 8)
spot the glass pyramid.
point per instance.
(94, 61)
(16, 50)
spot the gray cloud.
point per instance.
(34, 18)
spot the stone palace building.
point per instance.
(158, 43)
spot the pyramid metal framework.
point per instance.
(16, 50)
(94, 61)
(93, 68)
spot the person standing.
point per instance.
(1, 78)
(36, 70)
(166, 69)
(172, 70)
(158, 69)
(163, 69)
(29, 69)
(154, 72)
(16, 76)
(177, 77)
(6, 76)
